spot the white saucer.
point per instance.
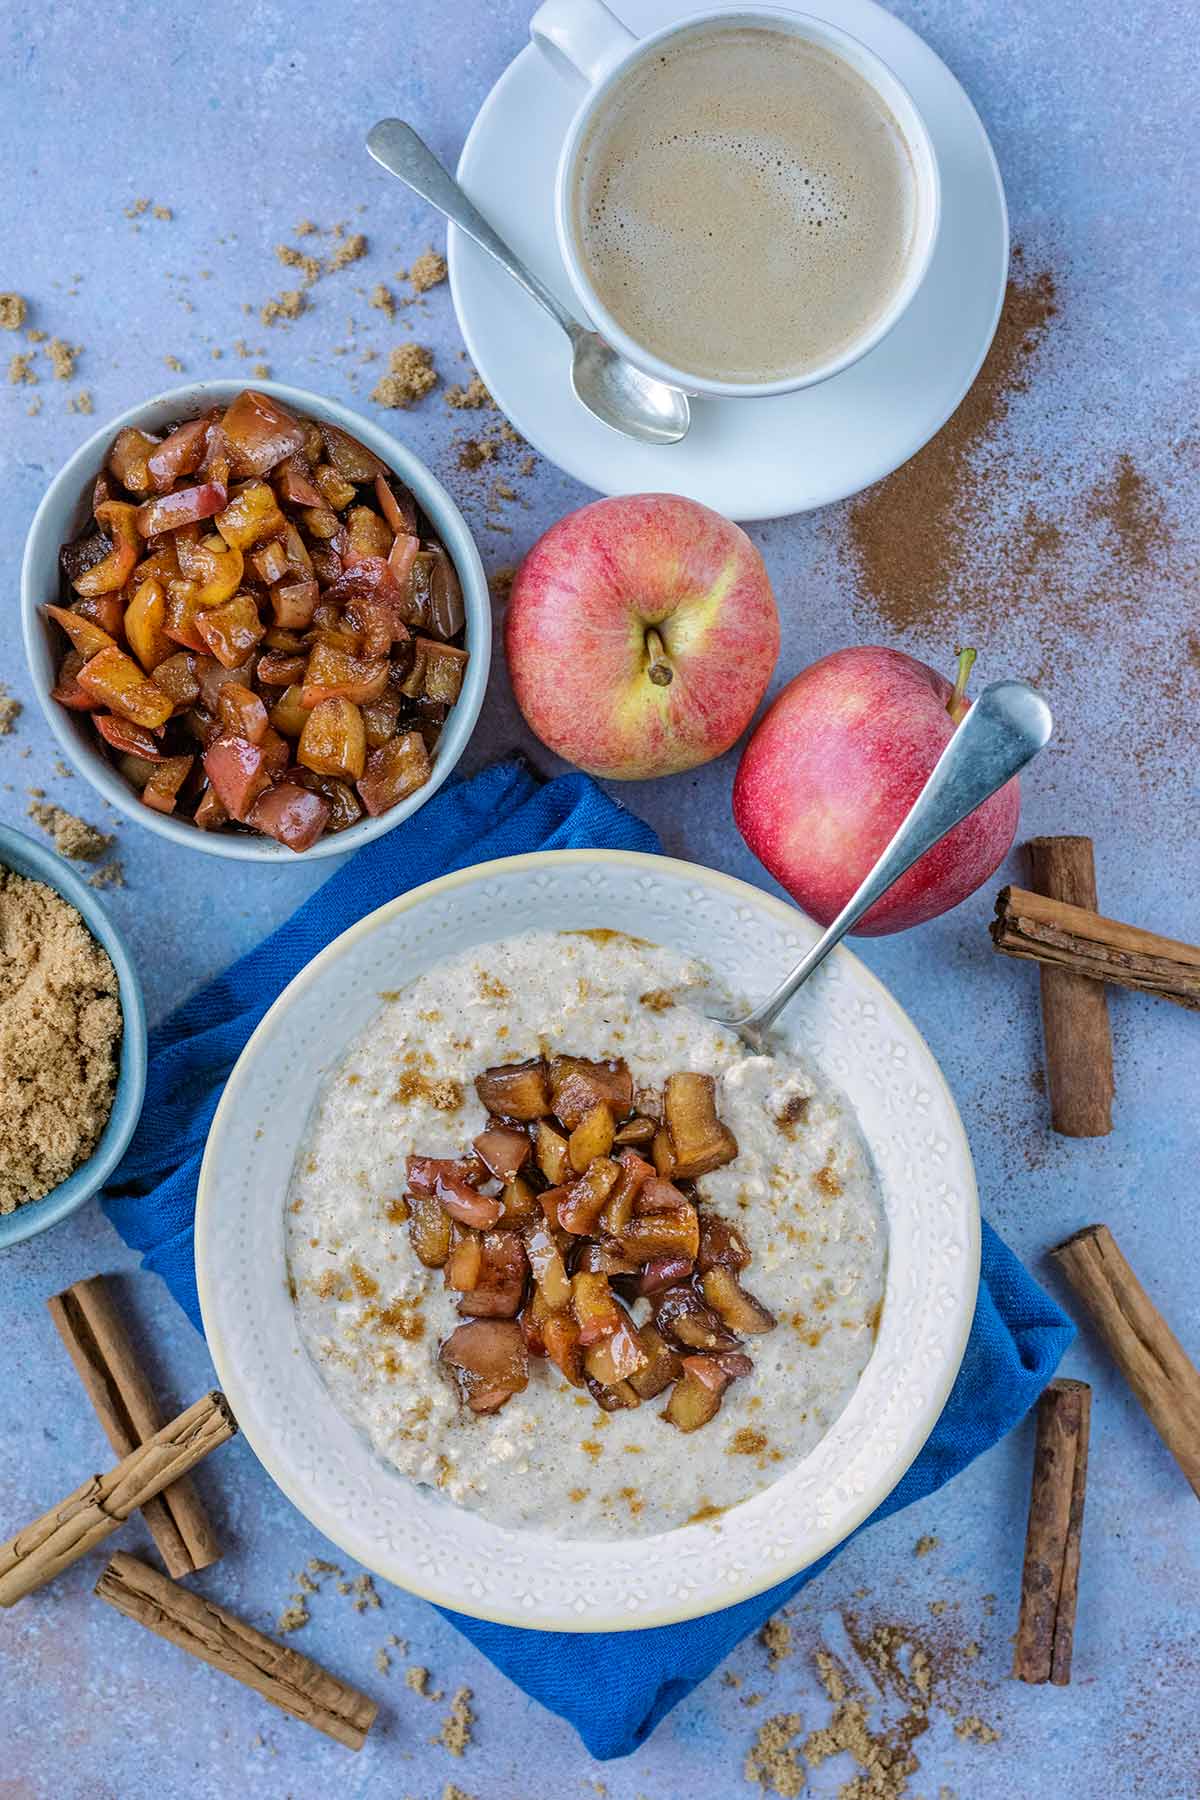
(750, 459)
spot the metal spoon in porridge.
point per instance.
(1004, 730)
(606, 383)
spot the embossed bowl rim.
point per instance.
(457, 1558)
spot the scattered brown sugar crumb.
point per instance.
(974, 1729)
(288, 306)
(924, 1545)
(776, 1639)
(351, 250)
(72, 837)
(317, 1565)
(411, 375)
(20, 369)
(163, 212)
(108, 875)
(305, 228)
(772, 1762)
(455, 1735)
(417, 1678)
(827, 1181)
(262, 370)
(657, 1000)
(13, 312)
(453, 1792)
(309, 266)
(80, 402)
(366, 1284)
(383, 1661)
(363, 1589)
(60, 1026)
(428, 271)
(502, 580)
(383, 299)
(294, 1616)
(173, 362)
(492, 989)
(747, 1442)
(445, 1095)
(470, 397)
(62, 358)
(704, 1512)
(137, 209)
(10, 710)
(591, 1448)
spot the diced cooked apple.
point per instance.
(238, 772)
(335, 493)
(683, 1318)
(241, 712)
(185, 506)
(662, 1364)
(603, 1256)
(736, 1308)
(576, 1084)
(675, 1232)
(180, 453)
(499, 1285)
(617, 1357)
(618, 1208)
(287, 715)
(251, 515)
(611, 1399)
(583, 1201)
(380, 718)
(695, 1399)
(161, 791)
(429, 1230)
(260, 432)
(549, 1269)
(438, 591)
(333, 741)
(515, 1090)
(232, 630)
(293, 603)
(216, 568)
(396, 503)
(176, 676)
(423, 1171)
(662, 1272)
(594, 1307)
(662, 1152)
(128, 459)
(699, 1140)
(145, 617)
(443, 668)
(291, 814)
(271, 562)
(118, 519)
(119, 683)
(489, 1361)
(277, 669)
(293, 482)
(504, 1150)
(560, 1334)
(344, 808)
(533, 1319)
(592, 1137)
(127, 738)
(210, 815)
(66, 689)
(180, 621)
(352, 460)
(369, 534)
(340, 675)
(520, 1203)
(721, 1245)
(636, 1131)
(465, 1259)
(464, 1202)
(551, 1153)
(86, 636)
(657, 1195)
(397, 769)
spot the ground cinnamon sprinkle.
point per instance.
(60, 1028)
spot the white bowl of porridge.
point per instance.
(537, 1291)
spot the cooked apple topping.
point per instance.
(263, 627)
(553, 1225)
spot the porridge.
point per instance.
(566, 1251)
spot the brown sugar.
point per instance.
(13, 312)
(772, 1761)
(60, 1028)
(468, 398)
(351, 250)
(776, 1639)
(428, 271)
(72, 836)
(20, 369)
(289, 305)
(10, 710)
(455, 1735)
(411, 375)
(62, 358)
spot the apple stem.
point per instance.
(660, 671)
(958, 704)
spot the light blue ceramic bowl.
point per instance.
(40, 864)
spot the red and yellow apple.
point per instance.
(833, 768)
(641, 635)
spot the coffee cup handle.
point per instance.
(580, 39)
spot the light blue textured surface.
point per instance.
(245, 119)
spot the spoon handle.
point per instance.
(1004, 729)
(397, 148)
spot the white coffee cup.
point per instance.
(583, 40)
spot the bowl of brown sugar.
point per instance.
(72, 1040)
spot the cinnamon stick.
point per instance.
(1062, 936)
(98, 1345)
(283, 1676)
(85, 1518)
(1079, 1060)
(1050, 1575)
(1147, 1352)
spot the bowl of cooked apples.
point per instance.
(256, 623)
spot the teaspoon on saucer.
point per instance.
(1004, 729)
(606, 383)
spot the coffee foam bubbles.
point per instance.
(746, 204)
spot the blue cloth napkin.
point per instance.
(613, 1687)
